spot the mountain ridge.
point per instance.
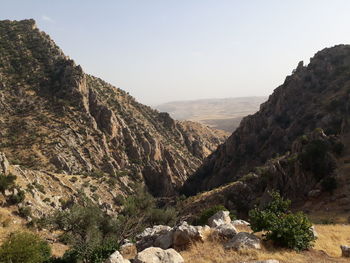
(57, 118)
(314, 97)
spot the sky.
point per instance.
(166, 50)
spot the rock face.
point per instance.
(56, 118)
(243, 240)
(314, 96)
(345, 251)
(158, 255)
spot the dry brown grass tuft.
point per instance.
(326, 250)
(330, 237)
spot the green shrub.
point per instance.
(314, 159)
(202, 219)
(7, 182)
(25, 211)
(16, 198)
(23, 247)
(281, 226)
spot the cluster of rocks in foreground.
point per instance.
(160, 244)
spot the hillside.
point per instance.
(224, 114)
(296, 142)
(56, 118)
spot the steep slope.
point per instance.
(314, 96)
(56, 118)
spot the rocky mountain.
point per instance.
(56, 118)
(295, 142)
(224, 114)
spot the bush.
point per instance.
(315, 158)
(16, 198)
(23, 247)
(7, 182)
(25, 211)
(207, 213)
(281, 226)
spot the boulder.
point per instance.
(165, 240)
(345, 251)
(225, 231)
(314, 231)
(220, 218)
(244, 240)
(116, 257)
(158, 255)
(155, 236)
(184, 234)
(128, 250)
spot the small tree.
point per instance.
(23, 247)
(282, 227)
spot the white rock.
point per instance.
(148, 237)
(116, 257)
(240, 222)
(185, 234)
(244, 240)
(314, 231)
(220, 218)
(158, 255)
(225, 231)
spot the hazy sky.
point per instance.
(164, 50)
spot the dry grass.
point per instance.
(330, 237)
(326, 250)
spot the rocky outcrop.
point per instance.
(314, 96)
(158, 255)
(56, 118)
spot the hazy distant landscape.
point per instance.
(224, 114)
